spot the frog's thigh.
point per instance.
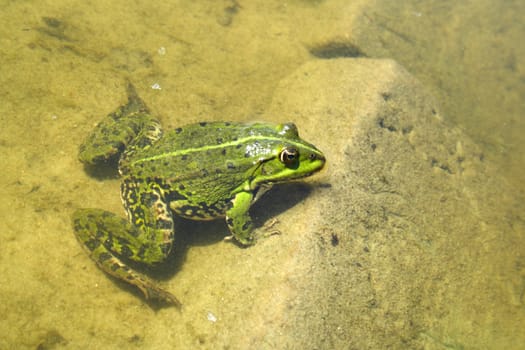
(103, 234)
(148, 211)
(239, 220)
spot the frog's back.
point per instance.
(203, 158)
(209, 135)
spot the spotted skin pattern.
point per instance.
(202, 171)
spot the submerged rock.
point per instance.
(426, 254)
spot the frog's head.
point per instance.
(290, 158)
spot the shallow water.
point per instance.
(65, 65)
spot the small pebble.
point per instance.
(211, 317)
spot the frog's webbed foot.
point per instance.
(153, 292)
(149, 288)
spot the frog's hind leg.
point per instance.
(129, 127)
(107, 239)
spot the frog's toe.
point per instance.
(152, 292)
(242, 241)
(269, 229)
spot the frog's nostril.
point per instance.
(314, 156)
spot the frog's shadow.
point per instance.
(103, 171)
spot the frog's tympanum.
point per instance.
(201, 171)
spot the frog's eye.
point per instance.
(289, 156)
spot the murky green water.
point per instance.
(64, 65)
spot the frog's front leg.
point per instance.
(111, 240)
(239, 220)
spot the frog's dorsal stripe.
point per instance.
(240, 141)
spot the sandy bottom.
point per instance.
(65, 65)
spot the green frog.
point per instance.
(200, 171)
